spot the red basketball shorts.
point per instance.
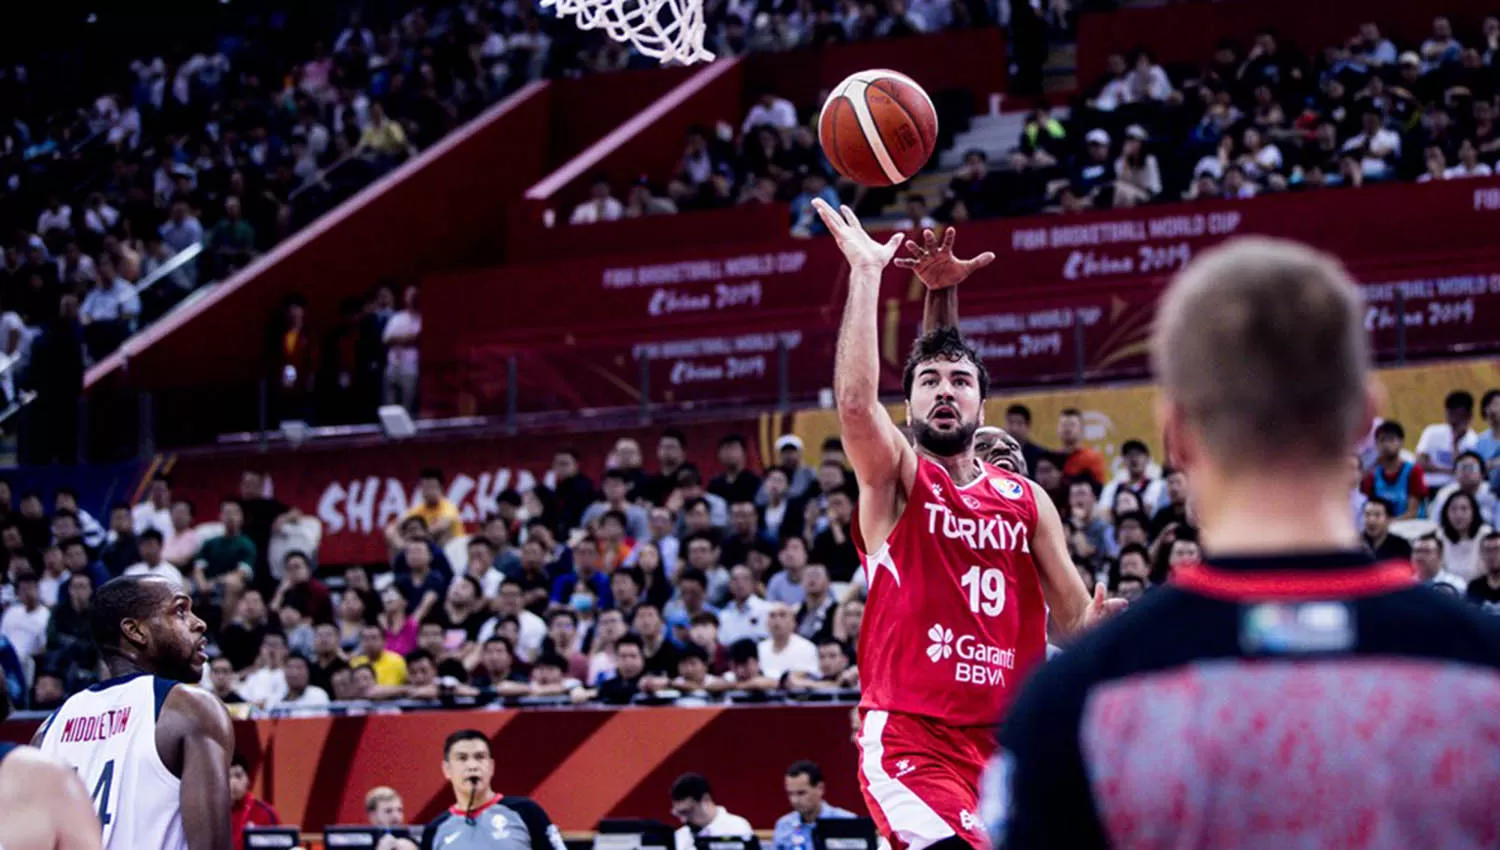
(920, 778)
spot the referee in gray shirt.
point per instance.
(480, 819)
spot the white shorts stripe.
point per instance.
(909, 818)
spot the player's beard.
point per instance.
(941, 443)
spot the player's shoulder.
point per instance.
(524, 806)
(193, 709)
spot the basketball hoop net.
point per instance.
(666, 30)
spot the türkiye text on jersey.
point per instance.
(984, 533)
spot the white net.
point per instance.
(665, 30)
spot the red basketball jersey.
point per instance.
(955, 617)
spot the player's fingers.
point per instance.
(849, 217)
(906, 263)
(894, 242)
(948, 238)
(982, 260)
(930, 239)
(914, 249)
(831, 219)
(1098, 593)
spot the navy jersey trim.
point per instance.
(161, 688)
(116, 681)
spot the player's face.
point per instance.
(997, 447)
(467, 762)
(945, 409)
(805, 797)
(175, 640)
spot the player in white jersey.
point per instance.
(42, 804)
(152, 750)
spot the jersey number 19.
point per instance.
(986, 590)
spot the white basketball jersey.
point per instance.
(108, 734)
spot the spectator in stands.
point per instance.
(480, 566)
(615, 489)
(1485, 588)
(628, 679)
(76, 559)
(565, 640)
(586, 575)
(299, 589)
(120, 549)
(1136, 478)
(151, 562)
(833, 547)
(531, 628)
(497, 671)
(1398, 481)
(182, 540)
(804, 222)
(1468, 477)
(835, 669)
(1468, 163)
(784, 650)
(661, 653)
(227, 561)
(399, 626)
(818, 604)
(327, 656)
(221, 681)
(1462, 527)
(1440, 445)
(549, 676)
(389, 667)
(24, 623)
(300, 693)
(1376, 147)
(601, 205)
(245, 810)
(916, 218)
(401, 336)
(1377, 536)
(1427, 559)
(1089, 536)
(744, 615)
(574, 491)
(693, 803)
(265, 683)
(736, 483)
(770, 110)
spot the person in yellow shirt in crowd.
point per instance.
(389, 667)
(383, 137)
(434, 509)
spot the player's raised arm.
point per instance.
(877, 449)
(199, 721)
(934, 264)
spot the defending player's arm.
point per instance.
(1071, 607)
(197, 721)
(934, 264)
(884, 462)
(53, 792)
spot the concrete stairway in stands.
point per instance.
(996, 135)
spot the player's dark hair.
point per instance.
(810, 769)
(1459, 400)
(120, 599)
(691, 786)
(631, 640)
(942, 344)
(462, 735)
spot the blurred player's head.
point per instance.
(468, 767)
(693, 800)
(149, 622)
(995, 446)
(1262, 338)
(945, 385)
(383, 807)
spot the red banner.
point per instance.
(581, 765)
(356, 490)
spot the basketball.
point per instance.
(878, 128)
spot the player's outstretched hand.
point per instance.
(1101, 608)
(934, 263)
(859, 249)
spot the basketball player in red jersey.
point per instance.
(964, 561)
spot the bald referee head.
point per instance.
(1263, 697)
